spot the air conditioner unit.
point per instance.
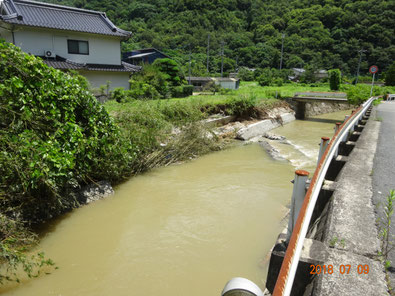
(48, 53)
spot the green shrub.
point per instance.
(140, 90)
(357, 94)
(15, 240)
(334, 79)
(245, 74)
(182, 91)
(266, 78)
(242, 106)
(187, 90)
(54, 136)
(144, 126)
(278, 81)
(181, 112)
(119, 94)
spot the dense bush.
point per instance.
(182, 91)
(334, 79)
(266, 77)
(245, 74)
(357, 94)
(160, 80)
(119, 94)
(54, 136)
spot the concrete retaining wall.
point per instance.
(318, 108)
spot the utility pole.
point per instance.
(208, 52)
(361, 51)
(282, 50)
(189, 72)
(237, 65)
(222, 58)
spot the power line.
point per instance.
(222, 58)
(361, 51)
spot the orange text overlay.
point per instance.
(341, 269)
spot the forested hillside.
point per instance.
(319, 33)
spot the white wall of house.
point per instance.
(102, 49)
(5, 34)
(98, 78)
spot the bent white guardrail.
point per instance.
(289, 266)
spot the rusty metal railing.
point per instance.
(289, 266)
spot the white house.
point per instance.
(68, 38)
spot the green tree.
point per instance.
(390, 75)
(171, 70)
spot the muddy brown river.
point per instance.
(184, 229)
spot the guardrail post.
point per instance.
(337, 126)
(298, 194)
(324, 143)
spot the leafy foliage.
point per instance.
(14, 241)
(323, 34)
(390, 75)
(334, 79)
(157, 81)
(170, 68)
(54, 136)
(357, 94)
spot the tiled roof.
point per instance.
(64, 64)
(45, 15)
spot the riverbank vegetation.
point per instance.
(55, 138)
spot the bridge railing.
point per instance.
(289, 266)
(286, 276)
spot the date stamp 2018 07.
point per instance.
(342, 269)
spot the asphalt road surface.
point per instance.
(384, 169)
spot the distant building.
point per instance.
(320, 74)
(143, 56)
(200, 82)
(68, 38)
(229, 83)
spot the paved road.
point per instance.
(384, 166)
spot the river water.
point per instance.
(184, 229)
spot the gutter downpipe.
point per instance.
(289, 266)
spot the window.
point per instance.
(78, 47)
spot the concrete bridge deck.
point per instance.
(302, 98)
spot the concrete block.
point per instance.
(213, 122)
(257, 129)
(287, 117)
